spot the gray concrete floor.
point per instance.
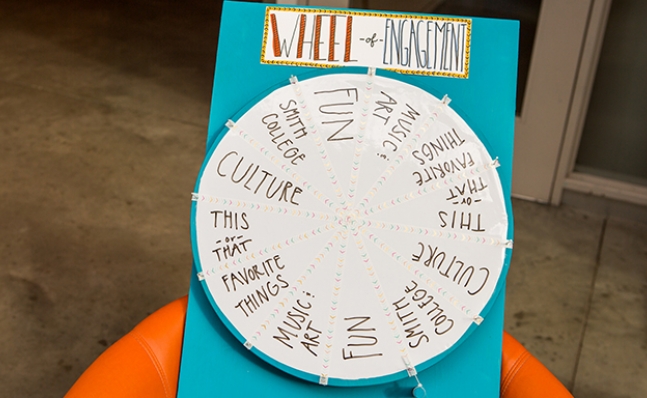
(103, 115)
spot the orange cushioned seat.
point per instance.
(522, 375)
(146, 363)
(143, 363)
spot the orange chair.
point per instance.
(143, 363)
(146, 363)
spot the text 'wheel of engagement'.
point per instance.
(350, 229)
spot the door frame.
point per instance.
(566, 177)
(540, 130)
(549, 131)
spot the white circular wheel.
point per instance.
(350, 229)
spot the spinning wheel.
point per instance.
(350, 229)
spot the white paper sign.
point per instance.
(404, 43)
(350, 228)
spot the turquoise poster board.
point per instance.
(214, 360)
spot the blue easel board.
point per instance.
(214, 363)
